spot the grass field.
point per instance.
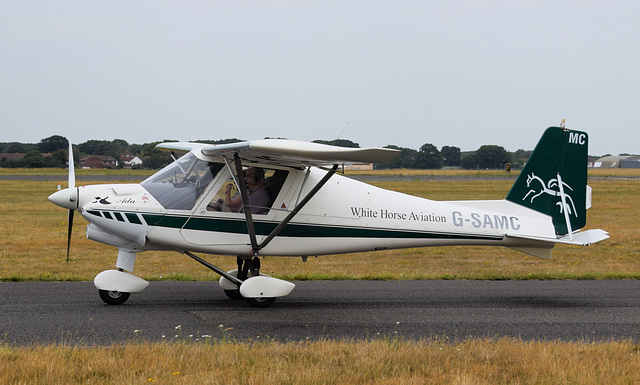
(387, 361)
(33, 233)
(34, 243)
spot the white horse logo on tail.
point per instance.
(550, 188)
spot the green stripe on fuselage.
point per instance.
(235, 226)
(171, 221)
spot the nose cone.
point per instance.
(67, 198)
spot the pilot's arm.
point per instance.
(232, 202)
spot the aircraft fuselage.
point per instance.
(344, 216)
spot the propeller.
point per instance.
(68, 198)
(72, 186)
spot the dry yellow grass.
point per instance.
(34, 242)
(389, 361)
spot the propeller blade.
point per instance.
(72, 184)
(72, 172)
(69, 233)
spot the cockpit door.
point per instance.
(214, 222)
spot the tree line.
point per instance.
(427, 156)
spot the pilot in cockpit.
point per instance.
(259, 199)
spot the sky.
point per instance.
(458, 73)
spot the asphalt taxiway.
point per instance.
(72, 312)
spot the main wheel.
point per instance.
(234, 294)
(261, 302)
(113, 297)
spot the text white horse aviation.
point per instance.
(283, 198)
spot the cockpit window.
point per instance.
(263, 186)
(179, 185)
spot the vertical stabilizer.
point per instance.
(554, 179)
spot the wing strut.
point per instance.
(245, 204)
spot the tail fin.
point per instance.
(555, 173)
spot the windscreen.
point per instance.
(179, 185)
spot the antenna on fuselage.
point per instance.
(342, 132)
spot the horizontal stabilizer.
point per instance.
(585, 238)
(541, 246)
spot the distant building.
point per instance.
(11, 155)
(630, 162)
(98, 161)
(359, 167)
(618, 162)
(130, 160)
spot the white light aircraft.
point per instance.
(276, 197)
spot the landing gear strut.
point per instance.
(246, 266)
(247, 283)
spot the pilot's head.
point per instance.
(254, 177)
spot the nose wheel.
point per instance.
(115, 286)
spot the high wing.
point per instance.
(289, 153)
